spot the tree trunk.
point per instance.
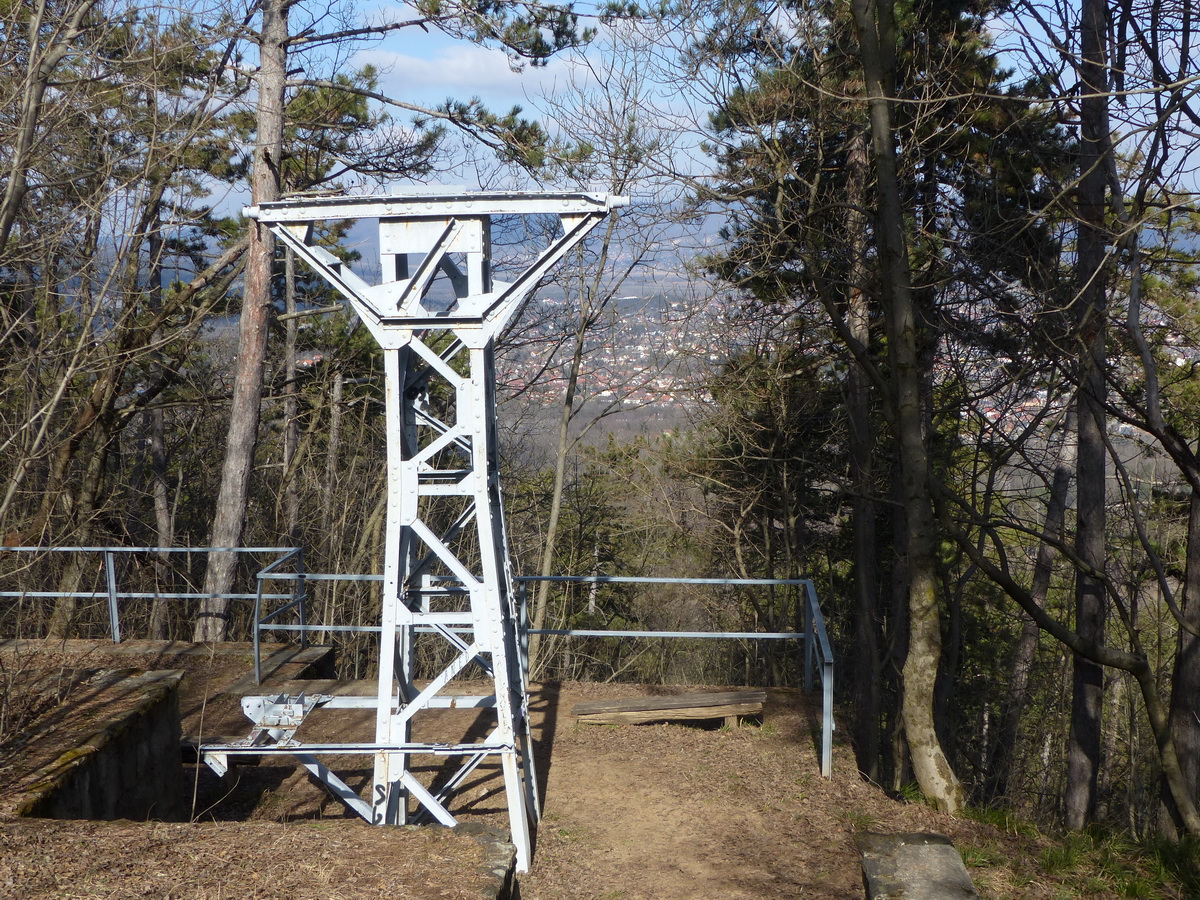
(934, 774)
(164, 523)
(331, 463)
(1185, 685)
(1087, 696)
(213, 619)
(896, 634)
(1087, 701)
(83, 510)
(561, 450)
(291, 428)
(62, 618)
(1000, 761)
(868, 671)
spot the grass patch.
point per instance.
(1003, 819)
(982, 856)
(1177, 861)
(1066, 857)
(911, 793)
(1097, 861)
(859, 820)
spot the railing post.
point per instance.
(114, 621)
(254, 630)
(523, 628)
(300, 584)
(827, 720)
(809, 637)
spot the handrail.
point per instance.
(815, 638)
(815, 622)
(113, 595)
(99, 549)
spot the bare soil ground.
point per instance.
(630, 813)
(228, 860)
(675, 811)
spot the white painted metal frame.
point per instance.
(446, 564)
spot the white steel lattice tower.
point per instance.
(446, 566)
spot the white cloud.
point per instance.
(460, 70)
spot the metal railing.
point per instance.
(298, 601)
(818, 649)
(815, 647)
(301, 580)
(113, 595)
(817, 653)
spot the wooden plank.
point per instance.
(645, 717)
(678, 707)
(670, 701)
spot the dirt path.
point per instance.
(674, 811)
(668, 812)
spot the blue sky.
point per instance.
(428, 67)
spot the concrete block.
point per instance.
(911, 866)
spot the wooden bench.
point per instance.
(727, 705)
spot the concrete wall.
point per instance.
(128, 768)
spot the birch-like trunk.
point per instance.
(213, 619)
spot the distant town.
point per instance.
(642, 354)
